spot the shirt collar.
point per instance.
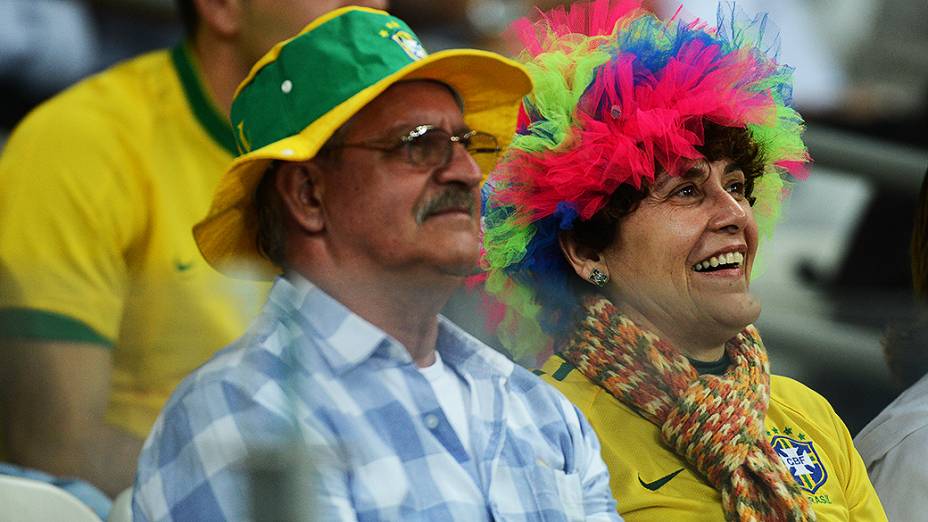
(344, 338)
(211, 119)
(347, 340)
(460, 350)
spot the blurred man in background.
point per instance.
(105, 303)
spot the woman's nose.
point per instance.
(729, 210)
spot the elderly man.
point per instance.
(359, 174)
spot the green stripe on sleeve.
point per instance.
(214, 123)
(24, 323)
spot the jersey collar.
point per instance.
(204, 109)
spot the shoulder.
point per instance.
(244, 380)
(794, 405)
(894, 473)
(204, 440)
(567, 379)
(216, 419)
(470, 355)
(613, 420)
(129, 80)
(527, 383)
(230, 406)
(120, 95)
(529, 397)
(898, 425)
(130, 97)
(97, 127)
(791, 394)
(553, 408)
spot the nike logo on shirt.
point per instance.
(659, 483)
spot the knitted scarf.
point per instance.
(715, 422)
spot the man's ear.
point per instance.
(581, 258)
(300, 186)
(223, 17)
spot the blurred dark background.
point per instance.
(835, 273)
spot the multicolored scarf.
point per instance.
(715, 422)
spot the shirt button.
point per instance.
(431, 421)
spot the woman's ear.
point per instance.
(583, 259)
(301, 186)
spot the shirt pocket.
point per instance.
(570, 491)
(558, 491)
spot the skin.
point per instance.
(352, 222)
(56, 422)
(683, 221)
(61, 389)
(234, 34)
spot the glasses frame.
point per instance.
(418, 132)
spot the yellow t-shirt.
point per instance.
(101, 186)
(652, 483)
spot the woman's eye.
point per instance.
(686, 191)
(737, 186)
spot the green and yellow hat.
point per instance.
(306, 87)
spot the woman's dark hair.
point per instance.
(187, 12)
(720, 142)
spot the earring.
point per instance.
(598, 278)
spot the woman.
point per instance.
(623, 226)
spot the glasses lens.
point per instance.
(430, 149)
(484, 149)
(482, 143)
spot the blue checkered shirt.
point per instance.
(375, 435)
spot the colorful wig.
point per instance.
(620, 96)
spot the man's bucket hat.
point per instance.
(306, 87)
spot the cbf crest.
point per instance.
(800, 459)
(409, 43)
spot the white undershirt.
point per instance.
(450, 389)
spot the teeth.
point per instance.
(731, 258)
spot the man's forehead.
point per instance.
(411, 103)
(414, 94)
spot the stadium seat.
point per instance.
(122, 507)
(27, 500)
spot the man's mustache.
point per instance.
(451, 198)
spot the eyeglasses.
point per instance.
(427, 146)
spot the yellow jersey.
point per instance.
(651, 483)
(101, 186)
